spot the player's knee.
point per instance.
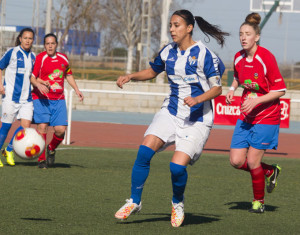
(236, 162)
(177, 170)
(60, 131)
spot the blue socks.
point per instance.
(179, 179)
(10, 145)
(3, 132)
(140, 172)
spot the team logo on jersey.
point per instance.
(192, 60)
(250, 85)
(256, 76)
(171, 59)
(20, 59)
(56, 74)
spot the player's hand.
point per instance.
(80, 95)
(46, 83)
(122, 80)
(2, 89)
(248, 105)
(42, 88)
(190, 101)
(229, 97)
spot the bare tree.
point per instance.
(76, 14)
(124, 18)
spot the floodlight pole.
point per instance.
(275, 5)
(273, 8)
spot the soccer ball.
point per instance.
(28, 143)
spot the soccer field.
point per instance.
(88, 185)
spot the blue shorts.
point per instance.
(53, 112)
(259, 136)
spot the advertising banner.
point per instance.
(227, 114)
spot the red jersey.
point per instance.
(259, 77)
(53, 69)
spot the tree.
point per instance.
(79, 14)
(122, 19)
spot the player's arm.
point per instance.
(73, 84)
(4, 62)
(143, 75)
(230, 93)
(2, 89)
(39, 85)
(214, 91)
(249, 104)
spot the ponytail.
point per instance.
(211, 30)
(207, 28)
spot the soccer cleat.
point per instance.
(272, 180)
(1, 164)
(177, 215)
(9, 155)
(257, 207)
(127, 209)
(42, 164)
(50, 157)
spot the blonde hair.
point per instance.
(253, 20)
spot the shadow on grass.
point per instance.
(189, 219)
(247, 206)
(56, 165)
(36, 219)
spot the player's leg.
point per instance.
(57, 138)
(157, 134)
(266, 137)
(179, 178)
(139, 175)
(258, 179)
(41, 116)
(190, 140)
(59, 121)
(25, 113)
(43, 129)
(9, 112)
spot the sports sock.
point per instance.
(245, 166)
(56, 140)
(140, 172)
(258, 183)
(42, 157)
(10, 145)
(179, 179)
(3, 132)
(268, 169)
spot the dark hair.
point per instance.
(50, 35)
(207, 28)
(253, 20)
(18, 42)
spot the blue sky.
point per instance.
(282, 39)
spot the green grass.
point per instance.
(88, 185)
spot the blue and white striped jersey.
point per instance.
(18, 65)
(188, 73)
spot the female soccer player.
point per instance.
(257, 129)
(50, 109)
(186, 117)
(16, 89)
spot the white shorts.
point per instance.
(189, 137)
(12, 110)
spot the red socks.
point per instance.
(55, 142)
(42, 157)
(258, 183)
(268, 169)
